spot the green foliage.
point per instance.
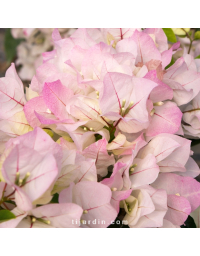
(197, 35)
(54, 200)
(6, 215)
(10, 45)
(111, 130)
(170, 35)
(98, 137)
(10, 202)
(198, 57)
(112, 134)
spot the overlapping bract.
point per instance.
(114, 114)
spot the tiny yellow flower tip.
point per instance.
(159, 103)
(33, 220)
(85, 129)
(85, 211)
(91, 129)
(28, 174)
(152, 112)
(17, 174)
(132, 170)
(114, 189)
(123, 103)
(131, 102)
(82, 221)
(20, 181)
(48, 111)
(177, 194)
(129, 209)
(123, 109)
(97, 92)
(48, 222)
(97, 96)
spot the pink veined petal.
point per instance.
(117, 33)
(178, 209)
(166, 119)
(65, 215)
(87, 171)
(99, 152)
(55, 96)
(40, 141)
(11, 72)
(20, 215)
(127, 45)
(118, 87)
(160, 38)
(42, 170)
(162, 91)
(146, 47)
(47, 118)
(160, 146)
(12, 98)
(66, 195)
(116, 180)
(42, 73)
(185, 186)
(36, 104)
(22, 200)
(118, 196)
(145, 172)
(167, 55)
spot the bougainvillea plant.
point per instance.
(98, 139)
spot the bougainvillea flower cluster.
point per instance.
(35, 41)
(98, 135)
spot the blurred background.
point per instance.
(2, 53)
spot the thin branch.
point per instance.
(191, 40)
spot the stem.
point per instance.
(106, 121)
(11, 193)
(2, 198)
(117, 123)
(191, 110)
(191, 40)
(4, 189)
(5, 206)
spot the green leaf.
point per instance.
(10, 45)
(197, 35)
(170, 64)
(98, 137)
(6, 215)
(54, 200)
(198, 57)
(170, 35)
(10, 202)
